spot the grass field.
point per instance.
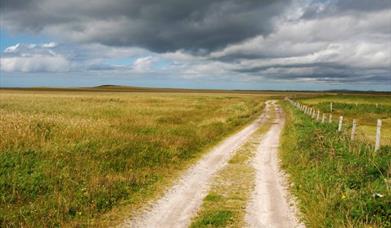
(68, 157)
(366, 109)
(338, 183)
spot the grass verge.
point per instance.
(338, 183)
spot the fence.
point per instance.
(315, 114)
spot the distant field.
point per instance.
(68, 156)
(366, 109)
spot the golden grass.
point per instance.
(71, 158)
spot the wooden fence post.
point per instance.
(331, 106)
(317, 116)
(340, 123)
(378, 135)
(353, 130)
(330, 118)
(323, 117)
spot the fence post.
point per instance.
(317, 116)
(340, 123)
(331, 106)
(353, 130)
(330, 118)
(378, 135)
(323, 117)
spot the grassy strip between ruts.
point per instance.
(225, 204)
(338, 183)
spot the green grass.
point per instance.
(71, 158)
(338, 183)
(218, 218)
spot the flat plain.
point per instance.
(68, 156)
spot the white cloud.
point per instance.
(49, 45)
(12, 49)
(35, 63)
(142, 65)
(33, 58)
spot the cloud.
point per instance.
(159, 26)
(341, 48)
(55, 57)
(49, 45)
(33, 58)
(36, 63)
(142, 65)
(12, 49)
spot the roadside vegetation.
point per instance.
(338, 183)
(225, 204)
(366, 109)
(67, 158)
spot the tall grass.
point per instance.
(69, 157)
(338, 183)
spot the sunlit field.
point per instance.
(68, 157)
(366, 109)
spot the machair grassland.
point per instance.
(69, 157)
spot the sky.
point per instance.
(213, 44)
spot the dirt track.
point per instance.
(270, 205)
(181, 201)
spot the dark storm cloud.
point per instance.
(337, 7)
(324, 72)
(161, 26)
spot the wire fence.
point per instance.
(371, 135)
